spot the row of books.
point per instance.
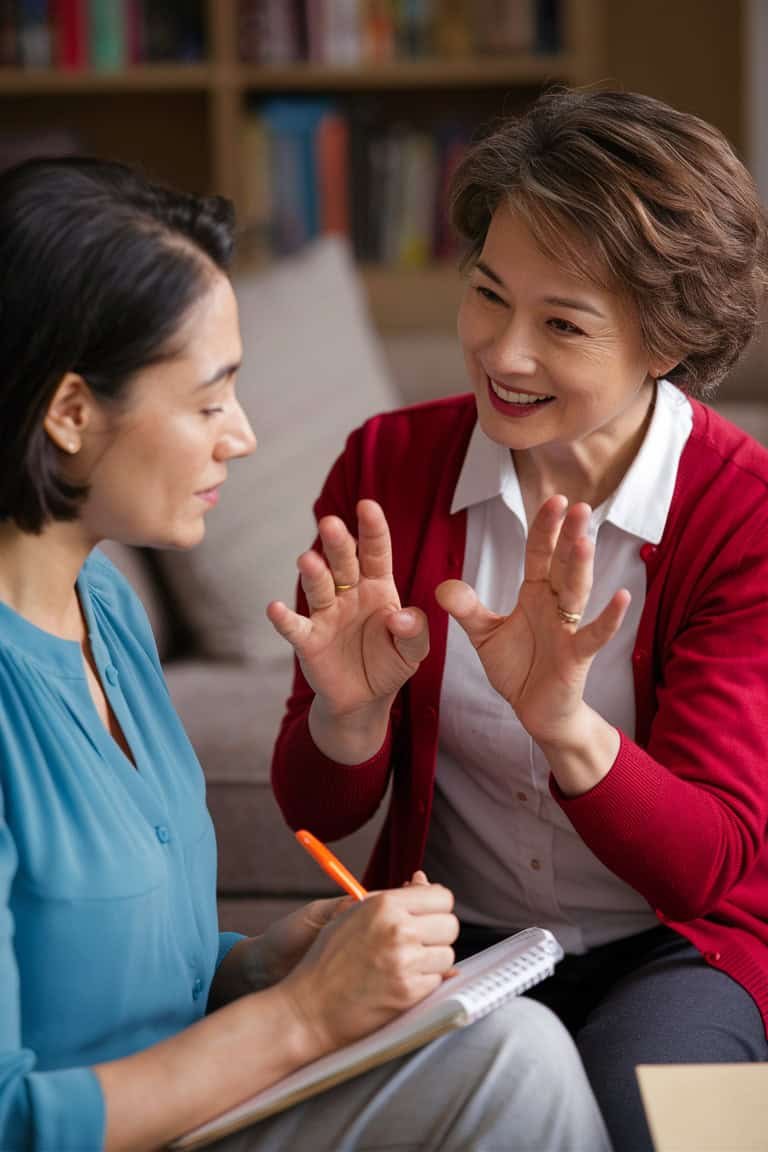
(101, 34)
(353, 32)
(311, 168)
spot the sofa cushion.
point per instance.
(312, 370)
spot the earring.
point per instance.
(72, 446)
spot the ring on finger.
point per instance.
(566, 616)
(345, 587)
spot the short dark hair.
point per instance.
(98, 269)
(652, 197)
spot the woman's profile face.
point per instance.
(552, 358)
(156, 465)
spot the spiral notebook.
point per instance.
(482, 982)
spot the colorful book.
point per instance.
(106, 31)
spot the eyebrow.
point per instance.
(558, 301)
(220, 374)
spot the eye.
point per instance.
(214, 410)
(488, 294)
(564, 326)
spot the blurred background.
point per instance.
(348, 116)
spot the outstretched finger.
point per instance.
(316, 581)
(575, 526)
(542, 538)
(592, 637)
(374, 543)
(461, 602)
(340, 548)
(291, 626)
(574, 584)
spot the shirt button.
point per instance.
(522, 797)
(536, 864)
(711, 957)
(197, 988)
(162, 833)
(112, 673)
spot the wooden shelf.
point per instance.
(183, 122)
(488, 72)
(147, 78)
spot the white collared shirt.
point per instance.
(496, 836)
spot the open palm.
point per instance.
(534, 657)
(356, 646)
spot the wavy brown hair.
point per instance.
(635, 195)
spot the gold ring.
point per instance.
(344, 587)
(568, 617)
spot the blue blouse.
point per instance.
(108, 929)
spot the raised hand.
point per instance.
(538, 657)
(357, 646)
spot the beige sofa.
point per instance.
(313, 369)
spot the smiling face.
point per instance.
(156, 464)
(553, 358)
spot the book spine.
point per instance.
(70, 33)
(135, 43)
(34, 31)
(9, 39)
(257, 167)
(333, 174)
(106, 28)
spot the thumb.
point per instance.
(461, 602)
(410, 632)
(418, 877)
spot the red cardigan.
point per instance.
(682, 816)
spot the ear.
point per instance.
(69, 413)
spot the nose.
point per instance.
(237, 439)
(512, 351)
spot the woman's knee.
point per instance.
(531, 1040)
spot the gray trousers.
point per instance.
(512, 1082)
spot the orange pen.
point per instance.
(330, 864)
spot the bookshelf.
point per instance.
(183, 121)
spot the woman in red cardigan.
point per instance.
(573, 709)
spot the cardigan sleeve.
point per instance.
(39, 1111)
(683, 819)
(313, 791)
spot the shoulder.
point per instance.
(719, 511)
(724, 453)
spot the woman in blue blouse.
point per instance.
(126, 1017)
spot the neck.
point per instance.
(590, 469)
(38, 575)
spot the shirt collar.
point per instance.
(639, 505)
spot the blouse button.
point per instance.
(522, 797)
(162, 833)
(197, 988)
(536, 864)
(112, 674)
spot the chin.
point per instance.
(181, 540)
